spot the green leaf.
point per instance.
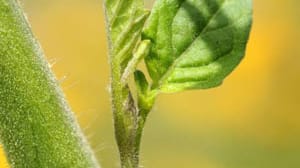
(125, 20)
(146, 96)
(196, 43)
(141, 52)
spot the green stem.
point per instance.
(129, 120)
(125, 21)
(124, 120)
(37, 127)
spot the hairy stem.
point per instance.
(128, 124)
(129, 117)
(37, 127)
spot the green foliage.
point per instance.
(125, 22)
(196, 44)
(186, 44)
(37, 127)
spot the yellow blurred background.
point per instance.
(251, 121)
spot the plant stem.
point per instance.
(37, 127)
(129, 120)
(125, 21)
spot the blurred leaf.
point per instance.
(37, 127)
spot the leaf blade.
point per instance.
(206, 42)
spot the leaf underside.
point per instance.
(126, 19)
(196, 43)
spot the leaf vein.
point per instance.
(172, 67)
